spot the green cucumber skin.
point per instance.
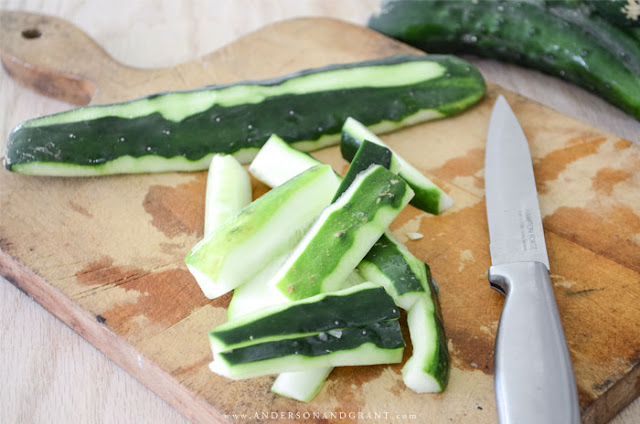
(441, 367)
(313, 120)
(428, 368)
(615, 11)
(427, 200)
(554, 39)
(390, 260)
(384, 335)
(380, 191)
(368, 154)
(428, 196)
(330, 311)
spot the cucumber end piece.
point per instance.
(302, 386)
(277, 162)
(417, 380)
(209, 288)
(445, 202)
(427, 371)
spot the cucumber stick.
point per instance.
(356, 306)
(368, 154)
(561, 38)
(428, 196)
(253, 296)
(301, 385)
(264, 230)
(427, 370)
(277, 162)
(181, 131)
(354, 326)
(378, 343)
(343, 234)
(228, 191)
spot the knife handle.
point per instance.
(534, 379)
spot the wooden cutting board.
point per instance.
(105, 255)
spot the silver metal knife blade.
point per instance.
(534, 379)
(515, 224)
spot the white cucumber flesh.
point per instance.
(301, 385)
(228, 191)
(277, 162)
(264, 230)
(256, 294)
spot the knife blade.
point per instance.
(534, 380)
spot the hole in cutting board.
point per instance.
(31, 33)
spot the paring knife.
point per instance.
(534, 379)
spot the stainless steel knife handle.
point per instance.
(534, 379)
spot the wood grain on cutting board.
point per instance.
(114, 246)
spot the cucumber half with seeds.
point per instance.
(181, 131)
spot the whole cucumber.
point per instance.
(564, 39)
(619, 12)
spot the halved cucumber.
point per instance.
(181, 131)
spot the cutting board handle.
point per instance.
(53, 56)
